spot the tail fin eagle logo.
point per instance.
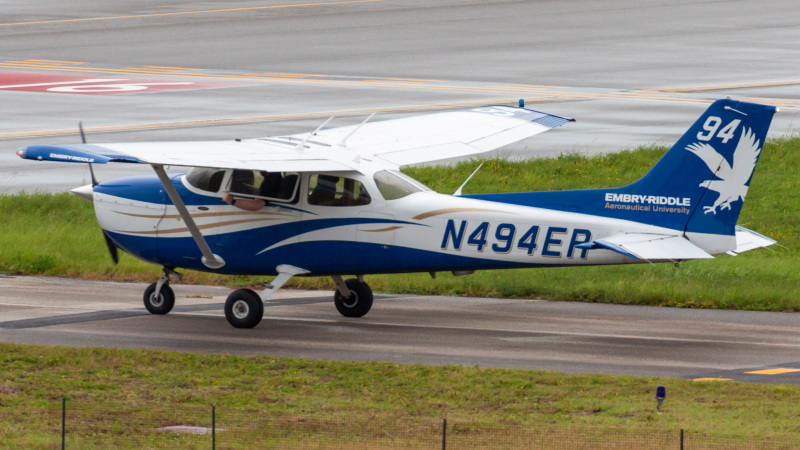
(731, 181)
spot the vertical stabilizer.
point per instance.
(706, 174)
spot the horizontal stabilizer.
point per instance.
(749, 240)
(649, 247)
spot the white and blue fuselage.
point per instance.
(422, 231)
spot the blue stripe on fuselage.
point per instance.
(319, 257)
(241, 250)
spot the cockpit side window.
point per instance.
(331, 190)
(209, 180)
(273, 186)
(393, 186)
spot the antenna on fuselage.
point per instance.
(458, 191)
(302, 145)
(344, 141)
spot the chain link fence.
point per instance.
(82, 425)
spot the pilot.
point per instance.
(270, 187)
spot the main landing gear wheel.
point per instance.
(359, 302)
(244, 308)
(161, 303)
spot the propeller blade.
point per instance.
(91, 169)
(112, 248)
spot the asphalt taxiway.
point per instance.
(631, 73)
(485, 332)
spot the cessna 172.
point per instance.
(333, 203)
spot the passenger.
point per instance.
(324, 192)
(243, 182)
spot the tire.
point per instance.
(161, 305)
(244, 308)
(360, 301)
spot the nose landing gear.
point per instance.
(159, 297)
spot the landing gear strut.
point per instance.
(244, 308)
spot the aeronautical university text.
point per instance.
(646, 203)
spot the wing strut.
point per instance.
(458, 191)
(209, 259)
(285, 272)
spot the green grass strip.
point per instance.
(121, 397)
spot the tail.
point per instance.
(698, 186)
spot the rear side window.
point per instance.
(209, 180)
(330, 190)
(273, 186)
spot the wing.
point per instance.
(745, 157)
(649, 247)
(392, 143)
(278, 155)
(446, 135)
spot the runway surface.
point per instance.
(631, 72)
(526, 334)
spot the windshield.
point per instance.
(205, 179)
(394, 185)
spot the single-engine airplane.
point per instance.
(333, 202)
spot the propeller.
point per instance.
(112, 247)
(83, 139)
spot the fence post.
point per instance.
(213, 427)
(63, 422)
(444, 434)
(681, 438)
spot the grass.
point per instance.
(119, 397)
(57, 235)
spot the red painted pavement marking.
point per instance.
(91, 85)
